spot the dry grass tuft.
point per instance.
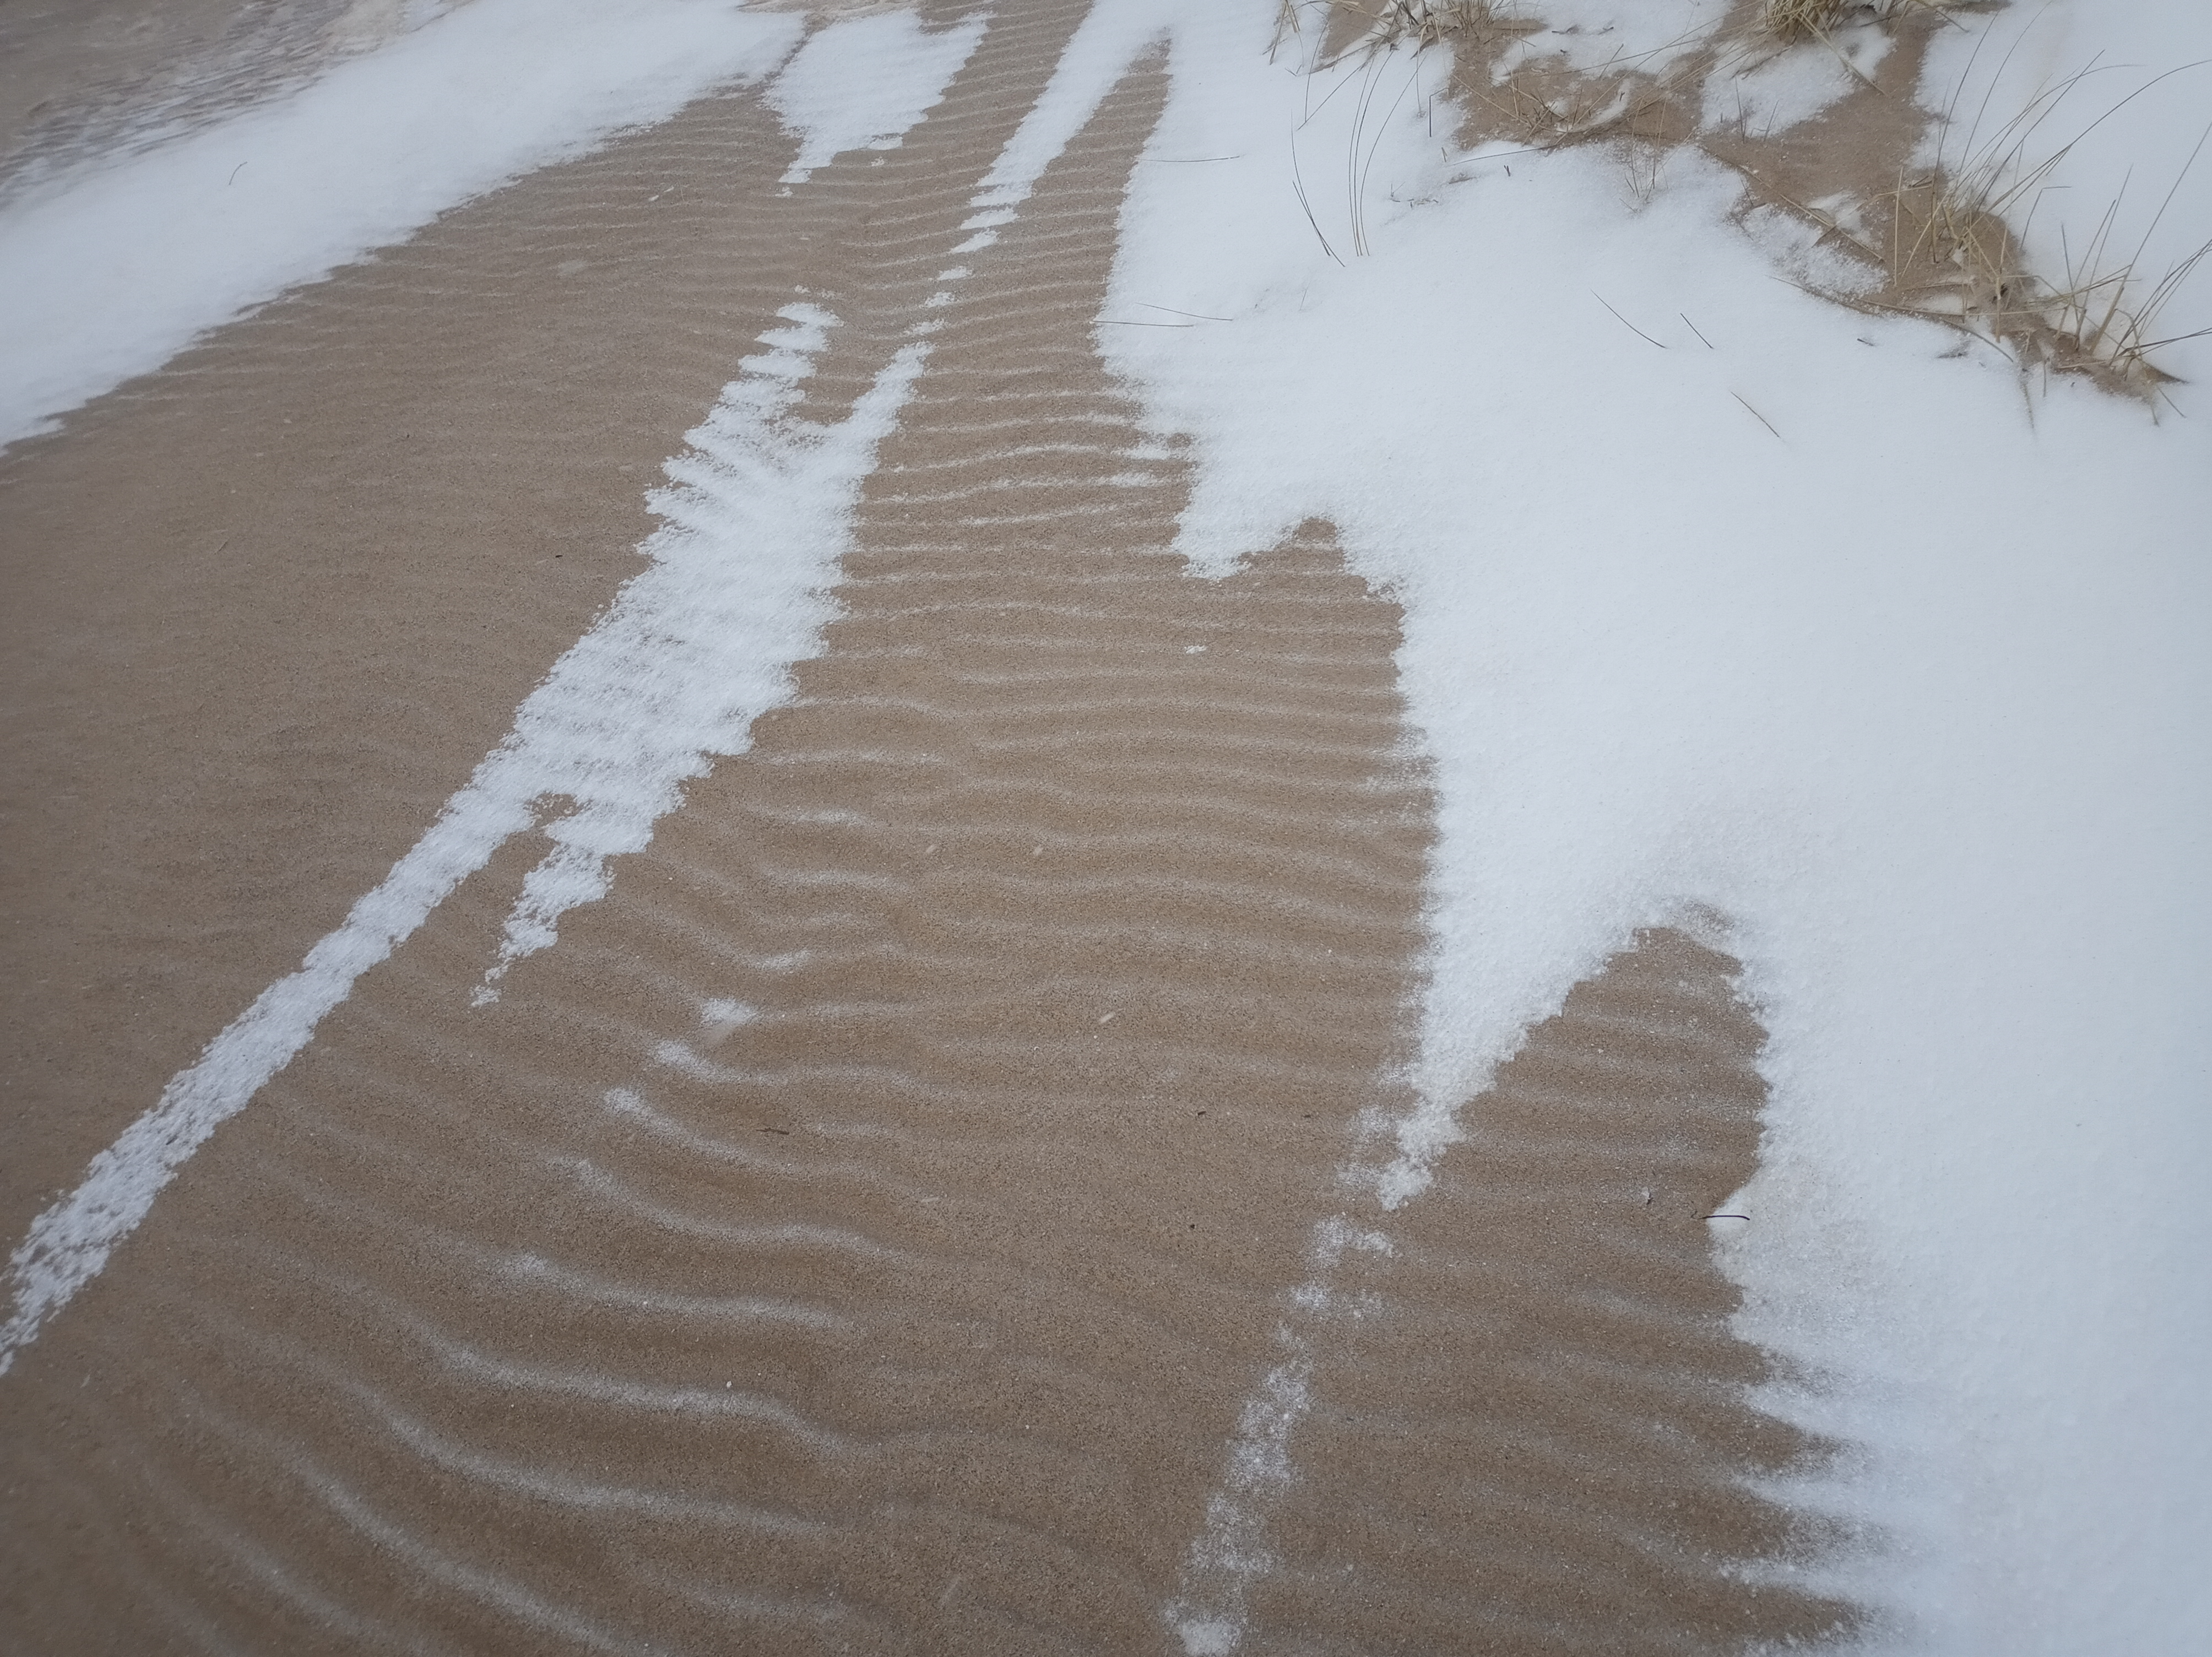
(1803, 20)
(1955, 257)
(1427, 21)
(1817, 20)
(2109, 320)
(1954, 254)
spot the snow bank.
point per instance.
(108, 276)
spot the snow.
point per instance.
(108, 276)
(862, 83)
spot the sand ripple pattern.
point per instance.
(1528, 1433)
(852, 1233)
(863, 1231)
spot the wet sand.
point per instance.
(863, 1230)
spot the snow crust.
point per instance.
(1826, 628)
(108, 276)
(863, 83)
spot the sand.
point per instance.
(1075, 908)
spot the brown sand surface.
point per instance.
(1536, 1440)
(863, 1230)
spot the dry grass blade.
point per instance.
(1817, 20)
(1956, 253)
(1803, 20)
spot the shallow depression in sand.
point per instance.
(866, 1229)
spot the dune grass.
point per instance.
(1955, 252)
(1791, 21)
(1946, 243)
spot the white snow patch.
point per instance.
(863, 82)
(1773, 89)
(721, 1018)
(111, 274)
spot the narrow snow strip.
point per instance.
(696, 648)
(1722, 598)
(1110, 38)
(1208, 1613)
(110, 274)
(862, 84)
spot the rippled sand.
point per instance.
(864, 1229)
